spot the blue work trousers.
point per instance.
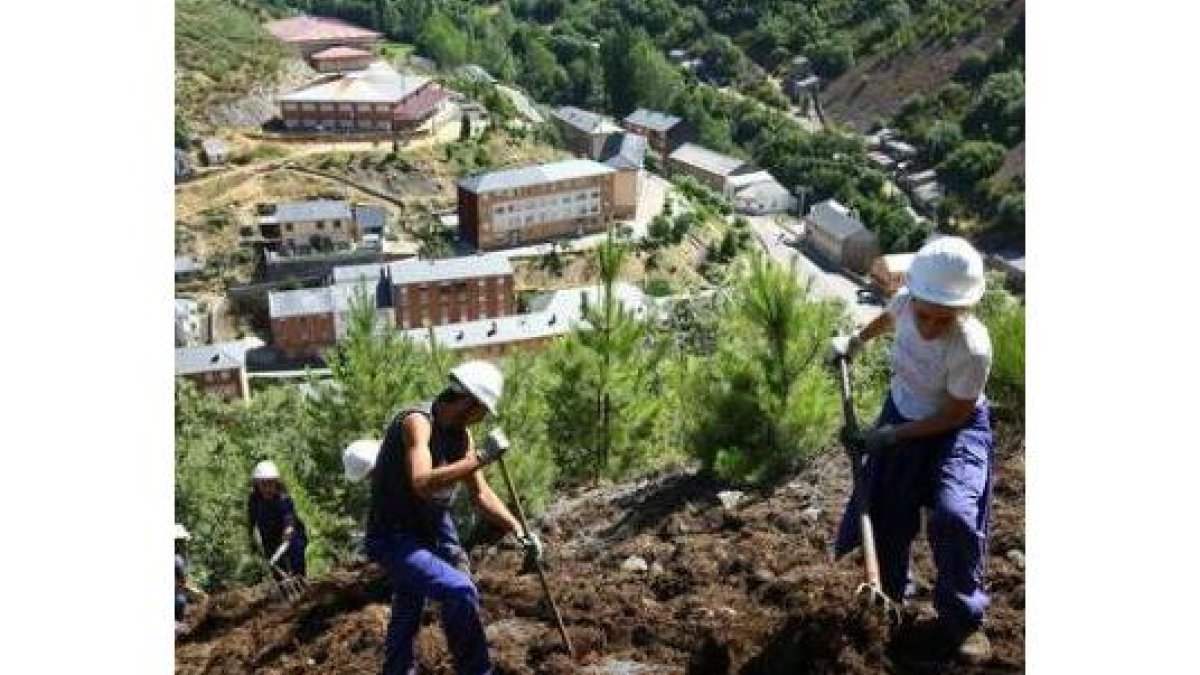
(950, 474)
(417, 573)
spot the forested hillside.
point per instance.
(612, 56)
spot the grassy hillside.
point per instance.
(221, 51)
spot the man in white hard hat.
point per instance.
(426, 453)
(932, 443)
(274, 524)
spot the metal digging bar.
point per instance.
(537, 564)
(871, 592)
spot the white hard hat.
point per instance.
(482, 380)
(947, 271)
(359, 458)
(265, 471)
(181, 533)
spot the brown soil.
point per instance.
(749, 590)
(876, 87)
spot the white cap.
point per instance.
(947, 271)
(482, 380)
(265, 471)
(359, 458)
(181, 533)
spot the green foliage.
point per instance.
(970, 164)
(605, 423)
(768, 400)
(1004, 315)
(636, 73)
(442, 41)
(659, 287)
(999, 113)
(943, 138)
(831, 58)
(220, 48)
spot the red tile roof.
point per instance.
(420, 105)
(312, 28)
(340, 53)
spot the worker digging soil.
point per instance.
(932, 444)
(275, 527)
(427, 452)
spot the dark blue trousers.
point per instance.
(950, 474)
(417, 573)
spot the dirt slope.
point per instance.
(746, 590)
(876, 87)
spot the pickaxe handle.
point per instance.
(537, 564)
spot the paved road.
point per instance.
(779, 241)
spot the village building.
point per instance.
(341, 59)
(308, 35)
(188, 267)
(300, 227)
(625, 152)
(553, 315)
(889, 272)
(839, 237)
(515, 207)
(190, 326)
(711, 168)
(664, 132)
(377, 100)
(217, 369)
(406, 294)
(763, 196)
(584, 133)
(214, 151)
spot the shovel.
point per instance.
(537, 564)
(871, 592)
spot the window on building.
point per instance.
(320, 224)
(287, 227)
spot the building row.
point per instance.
(405, 294)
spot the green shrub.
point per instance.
(769, 401)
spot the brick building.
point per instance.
(539, 203)
(715, 170)
(304, 226)
(583, 132)
(664, 132)
(376, 100)
(437, 292)
(838, 236)
(625, 153)
(217, 369)
(555, 314)
(308, 35)
(406, 294)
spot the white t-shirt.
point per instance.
(925, 373)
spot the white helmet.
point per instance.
(181, 533)
(359, 458)
(265, 471)
(480, 379)
(947, 271)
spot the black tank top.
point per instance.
(394, 505)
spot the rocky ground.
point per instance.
(655, 577)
